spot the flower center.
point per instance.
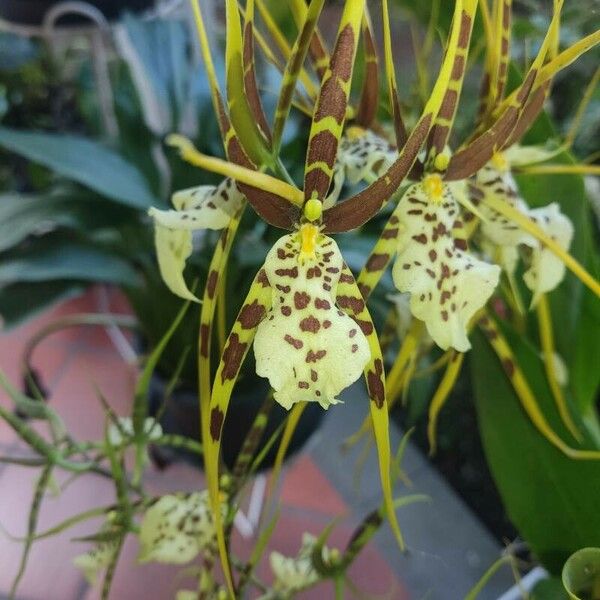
(309, 234)
(499, 162)
(354, 133)
(434, 188)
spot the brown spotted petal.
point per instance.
(447, 285)
(497, 181)
(204, 207)
(94, 561)
(504, 237)
(546, 270)
(362, 156)
(307, 348)
(177, 528)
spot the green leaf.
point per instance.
(89, 163)
(581, 574)
(25, 215)
(22, 301)
(549, 589)
(51, 259)
(159, 60)
(551, 499)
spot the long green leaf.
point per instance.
(51, 259)
(552, 500)
(89, 163)
(24, 215)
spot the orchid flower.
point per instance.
(546, 270)
(447, 284)
(307, 347)
(294, 574)
(101, 555)
(96, 560)
(197, 208)
(363, 156)
(177, 528)
(314, 339)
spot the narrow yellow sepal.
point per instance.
(238, 173)
(441, 395)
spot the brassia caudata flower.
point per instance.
(197, 208)
(447, 285)
(101, 556)
(248, 144)
(545, 270)
(294, 574)
(307, 347)
(177, 528)
(96, 560)
(362, 156)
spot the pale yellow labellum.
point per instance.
(177, 528)
(307, 347)
(447, 285)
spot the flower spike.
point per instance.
(293, 69)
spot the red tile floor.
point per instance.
(71, 363)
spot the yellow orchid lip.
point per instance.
(354, 132)
(433, 186)
(499, 162)
(309, 234)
